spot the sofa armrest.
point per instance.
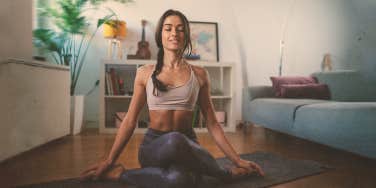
(254, 92)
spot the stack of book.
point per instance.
(114, 83)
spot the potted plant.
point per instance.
(69, 43)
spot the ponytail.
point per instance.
(158, 85)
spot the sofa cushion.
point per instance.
(305, 91)
(276, 113)
(261, 91)
(347, 125)
(286, 80)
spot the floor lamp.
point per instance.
(282, 41)
(115, 31)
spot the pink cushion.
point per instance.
(306, 91)
(287, 80)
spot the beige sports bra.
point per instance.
(175, 98)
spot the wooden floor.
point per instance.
(68, 156)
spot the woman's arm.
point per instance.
(215, 128)
(212, 124)
(126, 128)
(129, 123)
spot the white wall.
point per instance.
(4, 31)
(15, 30)
(366, 16)
(249, 35)
(34, 106)
(313, 28)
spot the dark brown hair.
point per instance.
(187, 47)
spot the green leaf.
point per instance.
(104, 20)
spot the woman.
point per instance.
(170, 155)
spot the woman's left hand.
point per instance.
(251, 166)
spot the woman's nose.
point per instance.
(173, 32)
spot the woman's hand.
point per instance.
(251, 166)
(95, 171)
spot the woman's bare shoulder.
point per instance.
(144, 72)
(146, 68)
(199, 71)
(201, 74)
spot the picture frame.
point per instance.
(204, 37)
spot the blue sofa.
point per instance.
(347, 121)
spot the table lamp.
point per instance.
(115, 31)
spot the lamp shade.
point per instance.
(115, 29)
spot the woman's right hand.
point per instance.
(95, 171)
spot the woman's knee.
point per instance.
(180, 179)
(176, 140)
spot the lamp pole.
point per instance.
(281, 48)
(282, 41)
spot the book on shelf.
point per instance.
(114, 83)
(121, 86)
(108, 84)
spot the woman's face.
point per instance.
(173, 33)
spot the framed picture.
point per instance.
(204, 36)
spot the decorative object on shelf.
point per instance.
(326, 64)
(143, 124)
(204, 36)
(221, 117)
(143, 51)
(216, 92)
(192, 57)
(119, 116)
(115, 31)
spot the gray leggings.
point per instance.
(172, 159)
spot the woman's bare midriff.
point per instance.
(171, 120)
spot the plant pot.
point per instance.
(76, 114)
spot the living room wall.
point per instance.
(15, 33)
(366, 16)
(312, 28)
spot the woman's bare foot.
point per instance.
(114, 173)
(238, 173)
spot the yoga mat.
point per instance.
(277, 170)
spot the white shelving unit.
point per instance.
(221, 79)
